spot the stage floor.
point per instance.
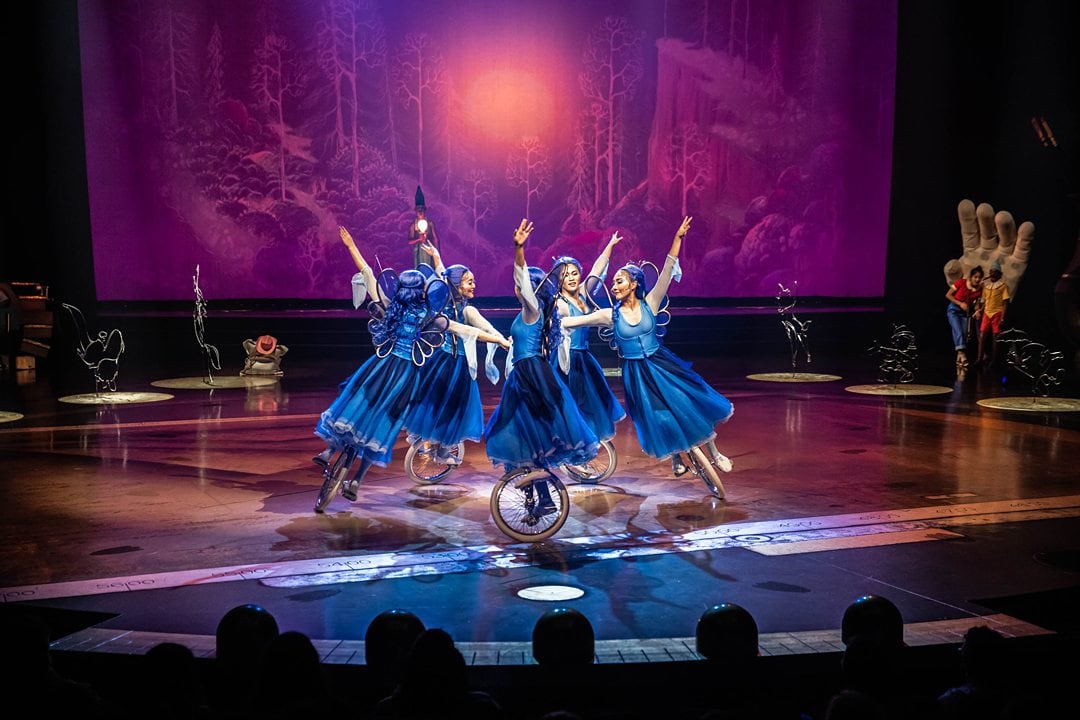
(142, 522)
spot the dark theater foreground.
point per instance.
(234, 483)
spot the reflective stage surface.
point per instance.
(160, 517)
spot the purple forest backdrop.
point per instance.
(238, 135)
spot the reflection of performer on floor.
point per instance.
(584, 376)
(536, 423)
(448, 411)
(371, 409)
(673, 409)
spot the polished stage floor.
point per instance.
(137, 522)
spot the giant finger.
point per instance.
(969, 228)
(1024, 237)
(1006, 230)
(988, 239)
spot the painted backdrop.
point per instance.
(238, 135)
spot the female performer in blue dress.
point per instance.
(537, 423)
(584, 376)
(674, 410)
(371, 409)
(449, 410)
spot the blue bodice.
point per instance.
(528, 339)
(636, 341)
(579, 337)
(456, 313)
(407, 330)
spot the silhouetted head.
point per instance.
(244, 633)
(390, 637)
(727, 633)
(292, 670)
(984, 655)
(435, 667)
(563, 637)
(875, 616)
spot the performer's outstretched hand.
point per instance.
(988, 237)
(615, 238)
(346, 237)
(524, 229)
(684, 228)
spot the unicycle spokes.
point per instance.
(529, 505)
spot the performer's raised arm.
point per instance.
(599, 268)
(530, 307)
(436, 257)
(657, 293)
(369, 276)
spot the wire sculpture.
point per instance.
(100, 354)
(1044, 367)
(795, 329)
(211, 356)
(899, 356)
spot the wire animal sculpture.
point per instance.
(795, 329)
(211, 356)
(101, 354)
(899, 356)
(1041, 365)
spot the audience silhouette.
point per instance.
(387, 643)
(985, 692)
(564, 646)
(243, 636)
(730, 685)
(413, 672)
(169, 685)
(27, 672)
(435, 685)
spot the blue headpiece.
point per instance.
(637, 275)
(411, 279)
(454, 274)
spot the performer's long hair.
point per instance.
(558, 270)
(453, 276)
(409, 296)
(546, 292)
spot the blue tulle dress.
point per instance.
(672, 407)
(448, 408)
(537, 423)
(588, 386)
(371, 409)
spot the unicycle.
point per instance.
(596, 470)
(705, 470)
(529, 504)
(423, 467)
(333, 477)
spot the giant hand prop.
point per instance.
(988, 237)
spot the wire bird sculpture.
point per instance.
(211, 356)
(1041, 365)
(899, 356)
(794, 328)
(100, 354)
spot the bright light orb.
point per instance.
(508, 105)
